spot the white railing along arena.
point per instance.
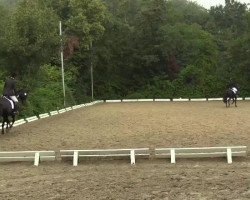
(132, 153)
(51, 113)
(172, 153)
(36, 156)
(204, 152)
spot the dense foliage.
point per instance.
(138, 49)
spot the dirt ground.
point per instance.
(131, 125)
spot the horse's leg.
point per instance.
(8, 124)
(235, 102)
(13, 120)
(3, 126)
(4, 120)
(232, 101)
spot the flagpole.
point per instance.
(62, 65)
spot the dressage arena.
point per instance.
(132, 125)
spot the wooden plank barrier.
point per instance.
(227, 152)
(88, 104)
(129, 100)
(68, 108)
(215, 99)
(99, 101)
(75, 107)
(62, 110)
(113, 101)
(36, 156)
(41, 116)
(53, 112)
(19, 122)
(132, 153)
(160, 100)
(145, 100)
(198, 99)
(31, 119)
(180, 99)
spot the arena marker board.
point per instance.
(204, 152)
(162, 100)
(36, 156)
(113, 101)
(132, 153)
(180, 99)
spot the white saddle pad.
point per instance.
(11, 102)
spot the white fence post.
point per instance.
(132, 157)
(75, 158)
(172, 151)
(37, 158)
(229, 155)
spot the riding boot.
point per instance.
(15, 111)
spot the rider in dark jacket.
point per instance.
(9, 89)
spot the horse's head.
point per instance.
(22, 95)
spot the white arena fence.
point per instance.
(201, 152)
(55, 112)
(132, 153)
(168, 100)
(51, 113)
(35, 156)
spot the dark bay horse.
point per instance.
(230, 94)
(7, 111)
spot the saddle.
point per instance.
(11, 102)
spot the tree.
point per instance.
(31, 37)
(228, 24)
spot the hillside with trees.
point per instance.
(138, 49)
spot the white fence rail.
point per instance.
(132, 153)
(174, 99)
(162, 100)
(54, 112)
(31, 119)
(180, 99)
(19, 122)
(36, 156)
(228, 152)
(41, 116)
(113, 101)
(199, 99)
(51, 113)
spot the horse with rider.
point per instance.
(231, 94)
(9, 101)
